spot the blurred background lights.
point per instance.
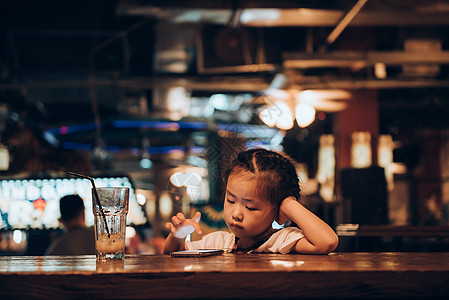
(267, 116)
(141, 199)
(176, 98)
(321, 116)
(277, 139)
(259, 15)
(305, 115)
(380, 70)
(146, 163)
(177, 179)
(324, 100)
(130, 232)
(180, 179)
(305, 104)
(129, 235)
(219, 101)
(18, 236)
(194, 192)
(165, 205)
(285, 119)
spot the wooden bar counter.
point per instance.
(339, 275)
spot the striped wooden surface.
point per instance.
(343, 275)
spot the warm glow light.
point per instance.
(141, 199)
(165, 205)
(307, 97)
(18, 236)
(130, 232)
(150, 207)
(196, 267)
(361, 149)
(385, 157)
(4, 158)
(278, 114)
(326, 167)
(176, 99)
(311, 95)
(286, 263)
(324, 100)
(285, 120)
(398, 168)
(177, 103)
(380, 70)
(277, 94)
(267, 116)
(305, 115)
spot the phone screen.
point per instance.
(197, 253)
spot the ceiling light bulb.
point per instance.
(285, 120)
(305, 115)
(177, 179)
(269, 116)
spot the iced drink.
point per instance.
(110, 236)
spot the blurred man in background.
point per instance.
(78, 238)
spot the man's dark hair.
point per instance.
(70, 207)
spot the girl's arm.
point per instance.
(173, 244)
(180, 228)
(319, 237)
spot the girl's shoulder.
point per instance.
(282, 241)
(291, 229)
(287, 233)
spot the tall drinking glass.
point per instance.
(110, 237)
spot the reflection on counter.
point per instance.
(110, 265)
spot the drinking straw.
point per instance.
(96, 197)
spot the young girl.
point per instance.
(261, 186)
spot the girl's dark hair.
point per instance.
(274, 172)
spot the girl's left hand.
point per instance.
(284, 210)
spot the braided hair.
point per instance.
(275, 174)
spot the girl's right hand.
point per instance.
(181, 227)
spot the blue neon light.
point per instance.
(73, 129)
(159, 124)
(76, 146)
(117, 149)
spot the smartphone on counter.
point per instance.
(197, 253)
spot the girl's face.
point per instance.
(245, 213)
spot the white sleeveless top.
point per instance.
(281, 241)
